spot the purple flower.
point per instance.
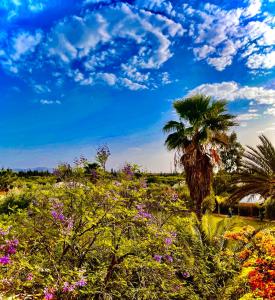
(127, 170)
(140, 206)
(54, 214)
(168, 241)
(175, 197)
(169, 258)
(186, 274)
(3, 232)
(145, 215)
(157, 257)
(11, 250)
(82, 282)
(57, 215)
(68, 287)
(5, 260)
(174, 234)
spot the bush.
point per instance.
(112, 240)
(269, 208)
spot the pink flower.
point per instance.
(30, 277)
(5, 260)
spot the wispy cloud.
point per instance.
(49, 102)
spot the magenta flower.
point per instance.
(48, 294)
(5, 260)
(157, 257)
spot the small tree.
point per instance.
(231, 154)
(102, 155)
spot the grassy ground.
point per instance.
(243, 221)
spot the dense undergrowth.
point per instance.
(102, 237)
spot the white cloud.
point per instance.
(82, 39)
(230, 90)
(110, 78)
(134, 86)
(261, 61)
(40, 88)
(247, 116)
(24, 43)
(49, 102)
(220, 35)
(270, 111)
(19, 46)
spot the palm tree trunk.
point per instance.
(199, 172)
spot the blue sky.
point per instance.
(78, 74)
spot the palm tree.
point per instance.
(257, 172)
(202, 124)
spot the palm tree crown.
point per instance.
(201, 122)
(258, 172)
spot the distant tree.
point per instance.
(231, 154)
(102, 155)
(257, 174)
(63, 171)
(202, 125)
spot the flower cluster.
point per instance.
(265, 242)
(58, 215)
(243, 255)
(8, 248)
(241, 236)
(49, 293)
(262, 278)
(170, 239)
(142, 213)
(159, 258)
(67, 287)
(128, 171)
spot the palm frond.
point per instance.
(258, 172)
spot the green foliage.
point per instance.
(209, 204)
(165, 179)
(102, 155)
(231, 154)
(222, 183)
(7, 179)
(121, 239)
(16, 200)
(269, 208)
(201, 127)
(258, 172)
